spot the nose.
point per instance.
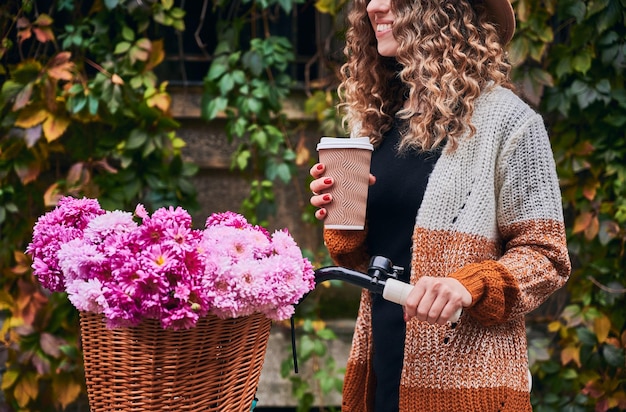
(378, 6)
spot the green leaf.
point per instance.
(307, 347)
(212, 107)
(586, 336)
(94, 103)
(128, 34)
(614, 356)
(284, 173)
(259, 138)
(111, 4)
(326, 334)
(253, 105)
(242, 159)
(576, 9)
(136, 139)
(226, 84)
(582, 62)
(217, 69)
(564, 66)
(122, 47)
(253, 61)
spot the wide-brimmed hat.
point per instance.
(501, 13)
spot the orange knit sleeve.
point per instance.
(347, 248)
(494, 291)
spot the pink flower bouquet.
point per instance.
(131, 267)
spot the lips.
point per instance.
(383, 27)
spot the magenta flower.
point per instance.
(132, 267)
(66, 222)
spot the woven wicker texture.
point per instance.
(213, 367)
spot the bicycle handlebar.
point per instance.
(381, 278)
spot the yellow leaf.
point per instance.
(26, 389)
(302, 152)
(318, 325)
(593, 229)
(323, 6)
(9, 378)
(6, 300)
(590, 189)
(52, 195)
(54, 127)
(157, 54)
(66, 391)
(44, 20)
(116, 79)
(602, 327)
(22, 263)
(522, 10)
(569, 354)
(160, 100)
(582, 221)
(30, 118)
(554, 326)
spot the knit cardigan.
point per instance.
(491, 218)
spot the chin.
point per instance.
(388, 51)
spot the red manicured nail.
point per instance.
(328, 181)
(322, 212)
(320, 167)
(326, 198)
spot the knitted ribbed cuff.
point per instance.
(494, 291)
(341, 242)
(472, 277)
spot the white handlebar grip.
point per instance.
(396, 291)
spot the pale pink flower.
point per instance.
(133, 267)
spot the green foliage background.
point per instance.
(82, 113)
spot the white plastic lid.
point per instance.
(345, 143)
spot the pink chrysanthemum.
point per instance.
(132, 267)
(62, 224)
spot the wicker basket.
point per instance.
(213, 367)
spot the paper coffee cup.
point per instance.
(347, 161)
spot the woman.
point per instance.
(463, 193)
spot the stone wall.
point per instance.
(220, 188)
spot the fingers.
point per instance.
(321, 200)
(372, 179)
(317, 170)
(319, 186)
(436, 300)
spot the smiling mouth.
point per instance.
(383, 27)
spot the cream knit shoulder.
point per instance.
(487, 180)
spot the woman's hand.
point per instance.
(320, 185)
(436, 299)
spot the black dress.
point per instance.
(392, 206)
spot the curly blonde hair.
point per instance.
(448, 53)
